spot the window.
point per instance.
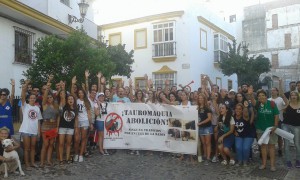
(232, 18)
(140, 82)
(219, 82)
(275, 63)
(115, 39)
(164, 39)
(66, 2)
(203, 39)
(23, 46)
(140, 38)
(274, 21)
(220, 47)
(287, 41)
(160, 78)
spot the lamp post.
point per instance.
(83, 6)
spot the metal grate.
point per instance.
(279, 174)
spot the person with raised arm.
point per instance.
(84, 123)
(30, 127)
(6, 106)
(214, 106)
(50, 114)
(243, 136)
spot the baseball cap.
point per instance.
(100, 94)
(231, 91)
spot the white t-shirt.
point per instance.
(104, 109)
(82, 111)
(280, 105)
(31, 117)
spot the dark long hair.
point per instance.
(71, 108)
(227, 116)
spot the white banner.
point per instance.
(139, 126)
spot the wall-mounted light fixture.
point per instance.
(83, 7)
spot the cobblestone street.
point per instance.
(125, 166)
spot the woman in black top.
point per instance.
(67, 122)
(291, 123)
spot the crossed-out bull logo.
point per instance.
(32, 114)
(113, 124)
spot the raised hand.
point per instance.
(50, 77)
(87, 73)
(74, 80)
(12, 82)
(103, 80)
(167, 82)
(246, 104)
(99, 74)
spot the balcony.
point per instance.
(164, 51)
(218, 54)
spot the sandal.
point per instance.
(34, 166)
(28, 168)
(61, 163)
(69, 161)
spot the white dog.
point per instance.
(10, 155)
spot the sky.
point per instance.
(109, 11)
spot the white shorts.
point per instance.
(67, 131)
(84, 124)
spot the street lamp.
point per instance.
(83, 6)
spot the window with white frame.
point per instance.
(220, 46)
(164, 43)
(24, 41)
(160, 78)
(66, 2)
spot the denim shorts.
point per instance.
(28, 135)
(84, 124)
(67, 131)
(228, 141)
(205, 131)
(100, 125)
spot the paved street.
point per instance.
(126, 166)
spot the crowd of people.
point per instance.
(228, 121)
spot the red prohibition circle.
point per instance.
(112, 121)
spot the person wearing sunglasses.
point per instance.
(6, 107)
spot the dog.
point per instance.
(13, 154)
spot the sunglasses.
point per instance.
(3, 94)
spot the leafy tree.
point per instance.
(247, 69)
(65, 58)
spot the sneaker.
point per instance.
(200, 159)
(137, 153)
(206, 163)
(289, 164)
(261, 167)
(273, 169)
(297, 165)
(232, 162)
(224, 162)
(80, 159)
(215, 159)
(106, 153)
(131, 152)
(75, 158)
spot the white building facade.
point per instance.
(273, 29)
(178, 46)
(23, 22)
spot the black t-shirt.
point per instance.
(292, 116)
(67, 119)
(242, 127)
(202, 115)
